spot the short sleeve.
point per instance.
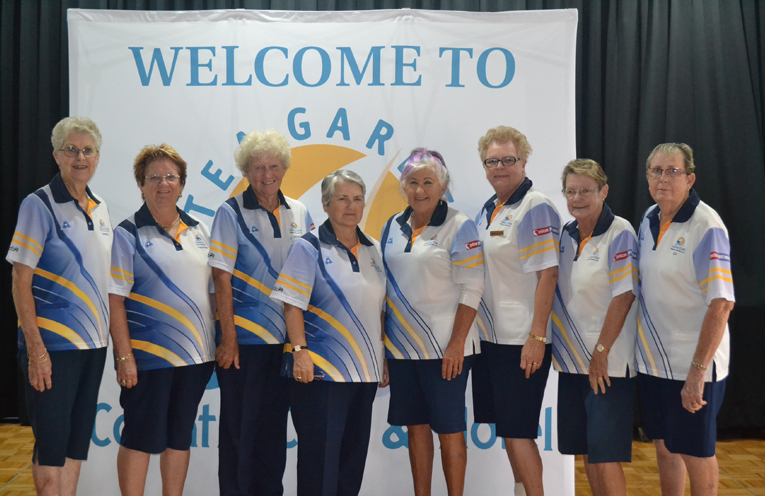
(467, 261)
(309, 225)
(123, 251)
(295, 283)
(711, 260)
(538, 235)
(224, 240)
(35, 225)
(622, 264)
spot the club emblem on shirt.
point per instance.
(65, 225)
(432, 241)
(594, 257)
(328, 261)
(103, 227)
(148, 244)
(507, 221)
(376, 267)
(254, 229)
(200, 241)
(679, 246)
(390, 241)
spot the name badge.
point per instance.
(496, 233)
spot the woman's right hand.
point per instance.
(302, 369)
(127, 373)
(40, 369)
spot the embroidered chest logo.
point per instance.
(507, 221)
(148, 244)
(594, 257)
(375, 266)
(200, 241)
(103, 227)
(679, 246)
(432, 241)
(328, 261)
(254, 229)
(65, 225)
(390, 241)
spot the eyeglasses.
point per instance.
(672, 173)
(73, 152)
(583, 192)
(261, 169)
(493, 163)
(156, 180)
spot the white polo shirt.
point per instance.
(166, 283)
(342, 296)
(70, 251)
(679, 278)
(587, 282)
(251, 243)
(520, 241)
(428, 278)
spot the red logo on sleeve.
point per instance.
(472, 244)
(621, 256)
(542, 231)
(313, 226)
(714, 256)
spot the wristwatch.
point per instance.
(601, 349)
(541, 339)
(298, 347)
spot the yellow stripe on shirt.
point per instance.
(327, 367)
(159, 351)
(31, 246)
(292, 286)
(222, 252)
(346, 334)
(31, 240)
(256, 329)
(172, 312)
(557, 322)
(408, 328)
(390, 347)
(252, 282)
(77, 291)
(224, 246)
(63, 331)
(651, 361)
(468, 260)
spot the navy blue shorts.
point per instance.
(596, 425)
(62, 417)
(419, 395)
(503, 396)
(665, 418)
(161, 409)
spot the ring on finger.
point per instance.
(122, 382)
(535, 364)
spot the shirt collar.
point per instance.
(517, 196)
(62, 195)
(682, 215)
(437, 219)
(327, 235)
(144, 218)
(250, 201)
(604, 222)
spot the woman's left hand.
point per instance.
(532, 354)
(127, 373)
(692, 394)
(302, 369)
(599, 372)
(385, 377)
(452, 362)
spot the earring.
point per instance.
(143, 197)
(180, 196)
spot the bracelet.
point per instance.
(123, 358)
(541, 339)
(38, 361)
(698, 366)
(45, 350)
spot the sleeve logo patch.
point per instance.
(719, 256)
(541, 232)
(621, 256)
(472, 244)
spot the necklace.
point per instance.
(170, 225)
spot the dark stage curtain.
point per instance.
(648, 71)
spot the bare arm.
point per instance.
(227, 351)
(454, 354)
(302, 368)
(534, 351)
(127, 374)
(612, 327)
(39, 367)
(712, 332)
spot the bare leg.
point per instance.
(70, 474)
(173, 465)
(421, 457)
(606, 479)
(704, 475)
(524, 454)
(519, 489)
(132, 466)
(454, 460)
(671, 470)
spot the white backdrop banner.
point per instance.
(354, 90)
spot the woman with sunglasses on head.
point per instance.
(518, 228)
(593, 330)
(683, 349)
(161, 323)
(435, 280)
(61, 250)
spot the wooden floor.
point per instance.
(742, 467)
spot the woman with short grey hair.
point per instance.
(334, 285)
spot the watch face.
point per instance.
(600, 347)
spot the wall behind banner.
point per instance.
(348, 90)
